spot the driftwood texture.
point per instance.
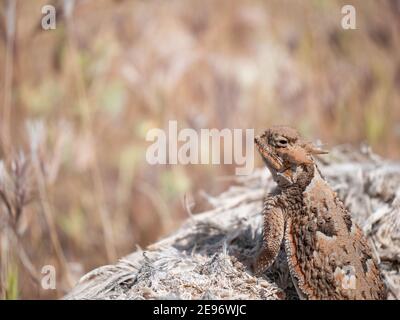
(209, 256)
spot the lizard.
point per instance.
(327, 253)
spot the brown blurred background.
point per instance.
(79, 100)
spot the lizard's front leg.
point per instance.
(273, 231)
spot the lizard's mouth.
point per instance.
(269, 156)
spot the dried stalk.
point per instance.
(8, 73)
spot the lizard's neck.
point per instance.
(302, 177)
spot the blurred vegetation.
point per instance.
(112, 70)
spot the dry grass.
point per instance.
(114, 69)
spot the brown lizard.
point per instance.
(327, 253)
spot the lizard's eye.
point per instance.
(282, 142)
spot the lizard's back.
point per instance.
(328, 254)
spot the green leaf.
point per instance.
(12, 283)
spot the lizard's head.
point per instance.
(283, 151)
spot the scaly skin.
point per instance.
(328, 255)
